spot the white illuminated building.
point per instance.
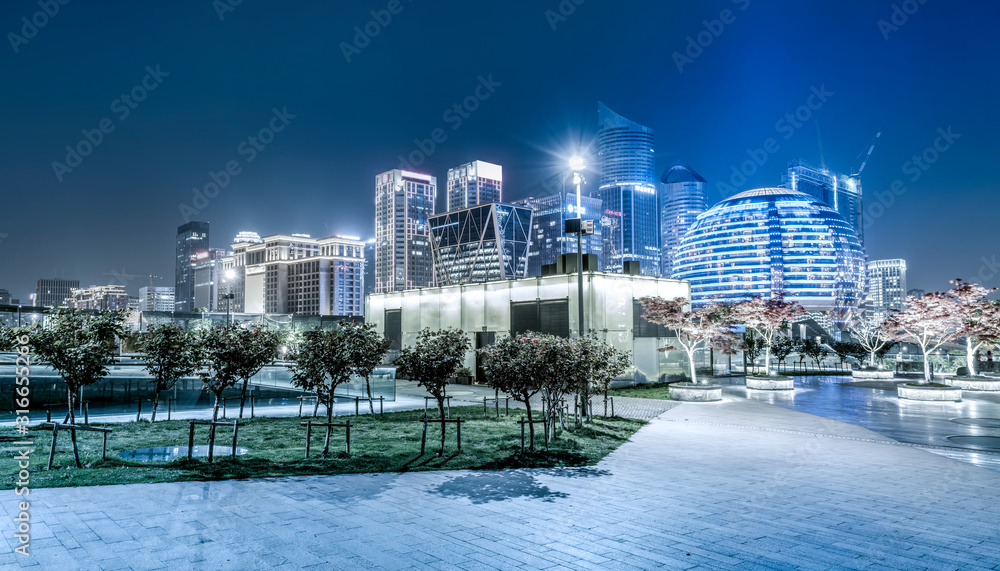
(404, 203)
(886, 286)
(471, 184)
(296, 274)
(98, 298)
(156, 298)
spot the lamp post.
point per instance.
(576, 163)
(230, 274)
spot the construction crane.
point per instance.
(868, 155)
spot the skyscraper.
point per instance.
(156, 298)
(631, 230)
(208, 278)
(682, 199)
(548, 241)
(192, 239)
(886, 286)
(54, 292)
(404, 203)
(483, 243)
(478, 182)
(839, 191)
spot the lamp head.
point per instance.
(576, 163)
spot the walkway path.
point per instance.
(738, 484)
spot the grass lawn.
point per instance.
(650, 391)
(277, 448)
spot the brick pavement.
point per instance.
(701, 486)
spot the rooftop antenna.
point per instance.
(819, 139)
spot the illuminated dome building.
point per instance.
(770, 240)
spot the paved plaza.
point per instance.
(738, 484)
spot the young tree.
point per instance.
(814, 350)
(508, 367)
(260, 348)
(753, 345)
(929, 321)
(367, 347)
(872, 336)
(783, 347)
(321, 364)
(766, 317)
(226, 359)
(170, 354)
(79, 346)
(980, 318)
(8, 338)
(600, 363)
(432, 361)
(558, 366)
(695, 329)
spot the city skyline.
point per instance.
(326, 138)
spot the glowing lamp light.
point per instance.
(576, 163)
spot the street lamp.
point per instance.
(580, 228)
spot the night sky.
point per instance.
(211, 82)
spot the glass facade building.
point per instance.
(478, 182)
(839, 191)
(404, 203)
(682, 199)
(54, 292)
(770, 240)
(631, 230)
(483, 243)
(886, 286)
(548, 241)
(192, 239)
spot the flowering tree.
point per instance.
(766, 317)
(80, 346)
(980, 318)
(929, 321)
(170, 353)
(695, 329)
(322, 363)
(872, 336)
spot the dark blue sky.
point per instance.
(119, 208)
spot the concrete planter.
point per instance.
(770, 383)
(929, 394)
(975, 384)
(696, 393)
(859, 374)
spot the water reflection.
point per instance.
(880, 410)
(168, 453)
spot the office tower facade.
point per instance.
(916, 293)
(682, 199)
(296, 274)
(192, 238)
(886, 286)
(770, 240)
(483, 243)
(209, 281)
(838, 191)
(99, 298)
(404, 203)
(631, 229)
(156, 298)
(370, 266)
(54, 292)
(4, 297)
(478, 182)
(548, 241)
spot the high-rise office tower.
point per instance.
(370, 266)
(631, 229)
(548, 241)
(483, 243)
(682, 199)
(404, 203)
(839, 191)
(156, 298)
(54, 292)
(478, 182)
(208, 279)
(4, 296)
(886, 286)
(192, 238)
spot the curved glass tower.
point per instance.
(630, 230)
(682, 199)
(768, 240)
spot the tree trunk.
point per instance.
(211, 427)
(156, 403)
(72, 431)
(694, 376)
(767, 359)
(970, 360)
(316, 406)
(368, 388)
(243, 395)
(871, 359)
(927, 366)
(329, 420)
(440, 400)
(531, 425)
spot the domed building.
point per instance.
(769, 240)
